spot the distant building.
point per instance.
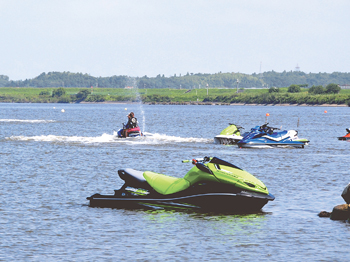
(297, 68)
(345, 86)
(129, 87)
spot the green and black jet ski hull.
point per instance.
(208, 202)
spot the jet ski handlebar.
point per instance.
(266, 127)
(198, 160)
(238, 127)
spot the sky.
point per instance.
(152, 37)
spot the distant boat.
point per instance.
(346, 137)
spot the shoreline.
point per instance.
(191, 103)
(216, 104)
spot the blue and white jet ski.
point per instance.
(266, 137)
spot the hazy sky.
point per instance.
(151, 37)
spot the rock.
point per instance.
(324, 214)
(346, 194)
(341, 212)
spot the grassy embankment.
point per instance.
(215, 95)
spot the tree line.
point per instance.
(67, 79)
(188, 81)
(315, 90)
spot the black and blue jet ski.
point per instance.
(211, 184)
(267, 137)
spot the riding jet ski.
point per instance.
(211, 185)
(131, 132)
(346, 137)
(130, 127)
(266, 137)
(230, 135)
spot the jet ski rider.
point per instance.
(131, 123)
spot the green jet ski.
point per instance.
(211, 185)
(230, 135)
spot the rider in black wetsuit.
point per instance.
(132, 123)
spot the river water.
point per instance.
(52, 160)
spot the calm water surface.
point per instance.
(51, 161)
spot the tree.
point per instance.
(316, 90)
(294, 89)
(332, 89)
(44, 93)
(83, 94)
(58, 92)
(3, 80)
(274, 89)
(304, 85)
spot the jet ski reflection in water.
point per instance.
(130, 128)
(230, 135)
(266, 137)
(211, 185)
(346, 137)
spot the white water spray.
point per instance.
(149, 139)
(27, 121)
(139, 100)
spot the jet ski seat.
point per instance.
(164, 184)
(277, 136)
(133, 178)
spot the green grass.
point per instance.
(345, 91)
(221, 95)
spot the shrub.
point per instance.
(64, 99)
(294, 89)
(317, 90)
(58, 92)
(96, 98)
(83, 94)
(159, 98)
(44, 93)
(332, 89)
(274, 89)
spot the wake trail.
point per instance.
(26, 121)
(149, 138)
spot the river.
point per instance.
(53, 156)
